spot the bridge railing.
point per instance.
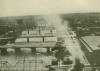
(5, 66)
(23, 65)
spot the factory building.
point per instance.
(91, 47)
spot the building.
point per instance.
(91, 47)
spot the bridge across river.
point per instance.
(33, 46)
(31, 41)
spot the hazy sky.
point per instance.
(31, 7)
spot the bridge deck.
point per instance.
(30, 45)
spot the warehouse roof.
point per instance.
(93, 42)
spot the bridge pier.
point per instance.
(33, 50)
(48, 50)
(3, 51)
(17, 50)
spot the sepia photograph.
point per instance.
(49, 35)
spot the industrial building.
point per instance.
(91, 47)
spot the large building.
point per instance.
(91, 47)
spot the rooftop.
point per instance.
(93, 42)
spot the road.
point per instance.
(72, 43)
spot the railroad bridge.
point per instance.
(31, 41)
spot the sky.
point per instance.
(33, 7)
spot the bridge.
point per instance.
(30, 41)
(31, 38)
